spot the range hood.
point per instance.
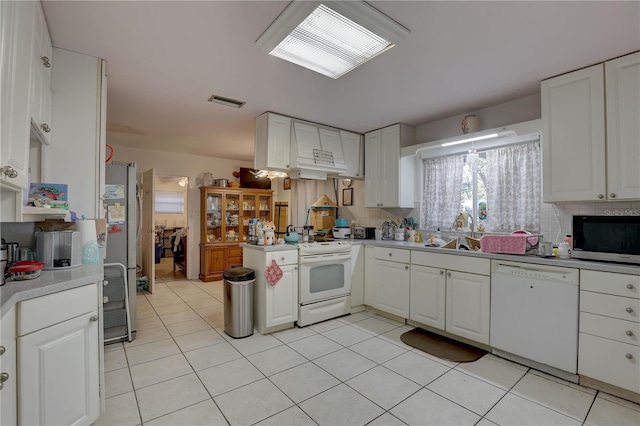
(316, 152)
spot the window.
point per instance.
(169, 202)
(498, 188)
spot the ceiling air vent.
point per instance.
(226, 101)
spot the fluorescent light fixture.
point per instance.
(473, 139)
(330, 37)
(271, 174)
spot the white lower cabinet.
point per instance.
(468, 305)
(274, 307)
(389, 282)
(8, 377)
(59, 373)
(357, 275)
(428, 296)
(456, 301)
(609, 349)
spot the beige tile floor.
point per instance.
(184, 370)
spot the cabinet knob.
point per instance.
(441, 272)
(629, 333)
(9, 172)
(629, 310)
(628, 356)
(449, 274)
(282, 258)
(295, 267)
(45, 62)
(601, 196)
(94, 318)
(630, 286)
(406, 267)
(390, 254)
(45, 127)
(4, 377)
(2, 350)
(612, 195)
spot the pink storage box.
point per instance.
(510, 244)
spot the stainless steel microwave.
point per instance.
(611, 238)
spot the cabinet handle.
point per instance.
(629, 310)
(629, 333)
(94, 318)
(612, 195)
(9, 172)
(45, 127)
(601, 196)
(630, 286)
(628, 356)
(45, 61)
(2, 350)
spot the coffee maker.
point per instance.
(59, 249)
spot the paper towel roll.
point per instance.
(88, 240)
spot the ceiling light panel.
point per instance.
(331, 38)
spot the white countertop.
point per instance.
(49, 282)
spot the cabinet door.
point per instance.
(468, 304)
(8, 394)
(282, 298)
(623, 130)
(231, 217)
(353, 153)
(392, 287)
(372, 168)
(40, 104)
(212, 217)
(59, 373)
(272, 142)
(390, 166)
(573, 140)
(17, 35)
(211, 262)
(428, 290)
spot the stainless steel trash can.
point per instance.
(238, 301)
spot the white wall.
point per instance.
(172, 164)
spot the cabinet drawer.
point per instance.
(472, 265)
(235, 251)
(611, 306)
(45, 311)
(610, 283)
(282, 257)
(609, 361)
(610, 328)
(392, 254)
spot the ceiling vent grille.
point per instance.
(234, 103)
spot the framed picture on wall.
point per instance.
(347, 197)
(286, 183)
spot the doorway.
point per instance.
(170, 224)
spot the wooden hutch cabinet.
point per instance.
(225, 215)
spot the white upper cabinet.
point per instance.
(17, 35)
(389, 179)
(622, 82)
(330, 141)
(591, 133)
(307, 140)
(273, 142)
(41, 63)
(353, 149)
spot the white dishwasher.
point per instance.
(534, 312)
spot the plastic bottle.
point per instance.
(567, 239)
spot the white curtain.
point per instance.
(513, 187)
(306, 192)
(442, 195)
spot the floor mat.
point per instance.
(442, 347)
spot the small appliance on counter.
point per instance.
(364, 232)
(389, 229)
(59, 249)
(341, 233)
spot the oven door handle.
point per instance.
(324, 258)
